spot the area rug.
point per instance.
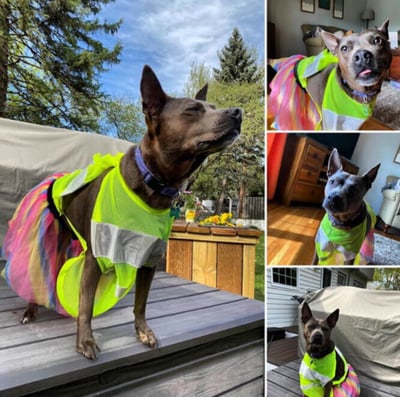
(387, 108)
(387, 251)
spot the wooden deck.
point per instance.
(284, 382)
(211, 343)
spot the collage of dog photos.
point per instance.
(333, 198)
(200, 198)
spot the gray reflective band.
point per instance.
(76, 183)
(334, 121)
(125, 246)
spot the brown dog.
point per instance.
(181, 133)
(346, 233)
(323, 366)
(335, 90)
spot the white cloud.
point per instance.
(171, 35)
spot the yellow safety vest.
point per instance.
(338, 111)
(314, 374)
(125, 234)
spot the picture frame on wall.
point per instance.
(307, 6)
(338, 9)
(324, 4)
(397, 156)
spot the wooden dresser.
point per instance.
(303, 173)
(394, 71)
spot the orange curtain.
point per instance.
(275, 145)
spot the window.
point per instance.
(358, 284)
(286, 276)
(326, 278)
(341, 279)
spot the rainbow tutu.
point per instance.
(36, 246)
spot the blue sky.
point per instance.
(169, 35)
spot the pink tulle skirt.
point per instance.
(36, 245)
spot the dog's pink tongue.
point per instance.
(366, 72)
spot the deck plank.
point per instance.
(41, 355)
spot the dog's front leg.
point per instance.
(85, 342)
(144, 333)
(327, 389)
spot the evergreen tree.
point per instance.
(50, 63)
(237, 62)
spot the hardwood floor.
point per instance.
(291, 232)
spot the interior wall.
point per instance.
(374, 148)
(386, 9)
(288, 18)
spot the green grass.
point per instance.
(259, 292)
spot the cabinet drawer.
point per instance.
(308, 175)
(314, 157)
(308, 193)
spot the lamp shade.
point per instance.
(367, 15)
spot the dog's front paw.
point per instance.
(146, 336)
(87, 347)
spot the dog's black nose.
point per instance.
(363, 57)
(236, 113)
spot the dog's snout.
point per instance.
(236, 113)
(363, 57)
(317, 338)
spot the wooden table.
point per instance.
(211, 343)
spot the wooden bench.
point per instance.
(284, 382)
(211, 343)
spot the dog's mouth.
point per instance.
(368, 76)
(220, 142)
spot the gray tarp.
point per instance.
(368, 330)
(29, 153)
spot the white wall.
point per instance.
(288, 19)
(386, 9)
(374, 148)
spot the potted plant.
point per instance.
(190, 206)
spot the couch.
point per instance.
(313, 42)
(390, 208)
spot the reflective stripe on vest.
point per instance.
(125, 234)
(314, 374)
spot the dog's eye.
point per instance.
(344, 48)
(378, 41)
(331, 181)
(194, 108)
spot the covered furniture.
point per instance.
(313, 42)
(390, 209)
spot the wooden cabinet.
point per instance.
(303, 173)
(394, 71)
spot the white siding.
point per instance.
(282, 308)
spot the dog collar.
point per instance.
(357, 219)
(365, 97)
(149, 178)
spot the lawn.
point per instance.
(260, 265)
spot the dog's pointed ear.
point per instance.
(334, 163)
(370, 176)
(202, 94)
(306, 313)
(153, 96)
(333, 318)
(384, 28)
(331, 41)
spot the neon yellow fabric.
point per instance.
(335, 245)
(126, 234)
(338, 110)
(314, 374)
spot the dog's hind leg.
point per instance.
(85, 342)
(30, 313)
(144, 333)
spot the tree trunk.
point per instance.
(220, 201)
(4, 34)
(242, 195)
